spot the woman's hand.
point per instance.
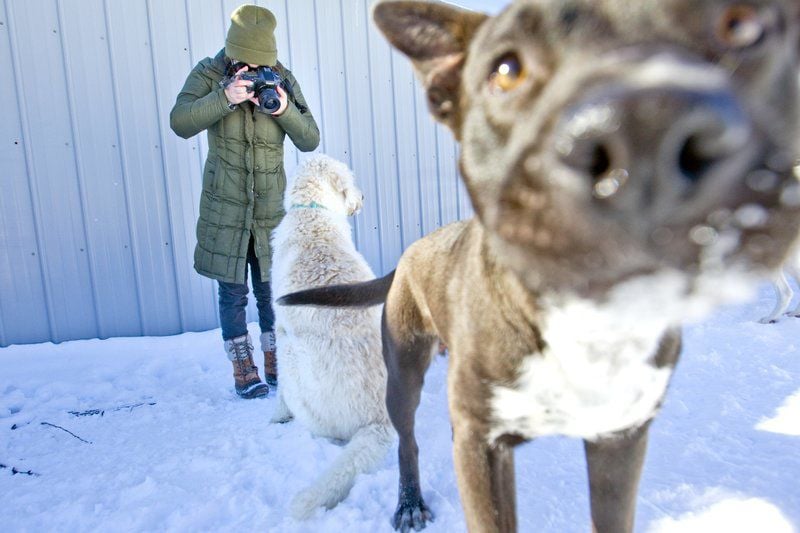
(284, 98)
(237, 92)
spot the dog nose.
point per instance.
(668, 138)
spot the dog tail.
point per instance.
(364, 294)
(362, 454)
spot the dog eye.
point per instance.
(507, 73)
(740, 26)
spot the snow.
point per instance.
(175, 450)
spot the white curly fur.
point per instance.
(331, 371)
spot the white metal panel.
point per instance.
(385, 148)
(405, 140)
(448, 176)
(24, 315)
(359, 128)
(55, 188)
(99, 175)
(384, 135)
(332, 81)
(206, 25)
(280, 10)
(304, 59)
(140, 142)
(182, 173)
(427, 140)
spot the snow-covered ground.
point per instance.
(170, 448)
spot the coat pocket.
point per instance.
(210, 175)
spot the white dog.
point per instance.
(332, 374)
(783, 290)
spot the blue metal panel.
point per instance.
(23, 308)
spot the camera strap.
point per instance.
(288, 88)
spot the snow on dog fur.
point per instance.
(332, 374)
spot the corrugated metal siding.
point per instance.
(99, 197)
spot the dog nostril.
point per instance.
(600, 162)
(693, 161)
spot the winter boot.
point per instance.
(245, 373)
(270, 361)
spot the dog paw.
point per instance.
(281, 419)
(412, 515)
(304, 504)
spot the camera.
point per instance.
(265, 86)
(264, 81)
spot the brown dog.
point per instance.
(630, 164)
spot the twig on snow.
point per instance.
(91, 412)
(68, 431)
(14, 471)
(132, 406)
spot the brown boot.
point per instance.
(270, 361)
(270, 368)
(245, 373)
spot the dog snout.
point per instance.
(663, 140)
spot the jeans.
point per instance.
(233, 301)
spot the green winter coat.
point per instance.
(243, 179)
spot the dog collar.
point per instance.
(312, 205)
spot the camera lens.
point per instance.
(271, 104)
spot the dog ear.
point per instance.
(353, 201)
(435, 37)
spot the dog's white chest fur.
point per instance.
(595, 377)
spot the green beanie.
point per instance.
(251, 37)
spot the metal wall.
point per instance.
(99, 198)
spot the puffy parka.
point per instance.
(243, 179)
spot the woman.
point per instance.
(243, 179)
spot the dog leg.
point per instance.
(783, 295)
(615, 465)
(504, 492)
(406, 365)
(792, 271)
(486, 482)
(282, 414)
(363, 453)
